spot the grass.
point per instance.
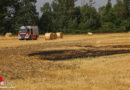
(87, 73)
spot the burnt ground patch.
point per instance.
(121, 46)
(72, 54)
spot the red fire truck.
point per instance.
(28, 33)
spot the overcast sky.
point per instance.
(98, 3)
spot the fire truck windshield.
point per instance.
(22, 30)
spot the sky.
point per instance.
(98, 3)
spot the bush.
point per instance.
(108, 27)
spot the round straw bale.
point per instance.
(8, 35)
(59, 35)
(54, 36)
(49, 36)
(90, 33)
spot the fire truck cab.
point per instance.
(28, 33)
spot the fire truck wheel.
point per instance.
(21, 39)
(29, 38)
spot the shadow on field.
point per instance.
(72, 54)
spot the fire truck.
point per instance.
(28, 33)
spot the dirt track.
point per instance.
(21, 60)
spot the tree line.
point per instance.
(65, 16)
(16, 13)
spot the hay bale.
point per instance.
(59, 35)
(90, 33)
(8, 35)
(54, 36)
(49, 36)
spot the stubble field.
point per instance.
(76, 62)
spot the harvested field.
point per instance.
(76, 62)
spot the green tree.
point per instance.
(7, 11)
(122, 9)
(45, 23)
(122, 13)
(106, 12)
(15, 13)
(26, 14)
(64, 12)
(3, 14)
(119, 9)
(90, 18)
(108, 18)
